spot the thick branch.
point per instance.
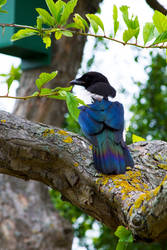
(62, 160)
(155, 5)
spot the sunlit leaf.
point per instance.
(67, 33)
(125, 14)
(39, 22)
(45, 91)
(46, 17)
(45, 78)
(52, 7)
(124, 234)
(80, 22)
(161, 38)
(148, 32)
(93, 24)
(47, 40)
(2, 2)
(58, 34)
(136, 138)
(160, 21)
(69, 8)
(23, 33)
(132, 24)
(128, 34)
(95, 19)
(67, 89)
(72, 104)
(59, 8)
(36, 93)
(115, 18)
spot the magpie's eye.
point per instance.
(86, 78)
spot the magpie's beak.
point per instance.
(77, 82)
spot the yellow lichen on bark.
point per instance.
(68, 139)
(48, 131)
(128, 182)
(62, 132)
(146, 196)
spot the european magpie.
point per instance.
(102, 122)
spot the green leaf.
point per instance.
(161, 38)
(95, 19)
(4, 75)
(23, 33)
(14, 74)
(2, 2)
(59, 97)
(69, 8)
(124, 234)
(58, 34)
(93, 24)
(9, 82)
(115, 17)
(59, 8)
(67, 33)
(115, 13)
(125, 14)
(36, 93)
(72, 104)
(39, 22)
(45, 78)
(45, 91)
(80, 22)
(73, 25)
(52, 7)
(121, 245)
(67, 89)
(131, 24)
(46, 17)
(160, 21)
(47, 40)
(59, 15)
(128, 34)
(148, 32)
(136, 138)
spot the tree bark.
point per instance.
(62, 160)
(28, 220)
(155, 5)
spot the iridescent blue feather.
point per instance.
(102, 123)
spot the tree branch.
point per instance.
(62, 160)
(155, 5)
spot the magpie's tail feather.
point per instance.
(110, 157)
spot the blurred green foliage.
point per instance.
(149, 110)
(14, 74)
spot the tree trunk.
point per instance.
(63, 160)
(28, 220)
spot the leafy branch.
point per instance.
(57, 20)
(55, 93)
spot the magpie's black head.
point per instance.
(96, 83)
(89, 79)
